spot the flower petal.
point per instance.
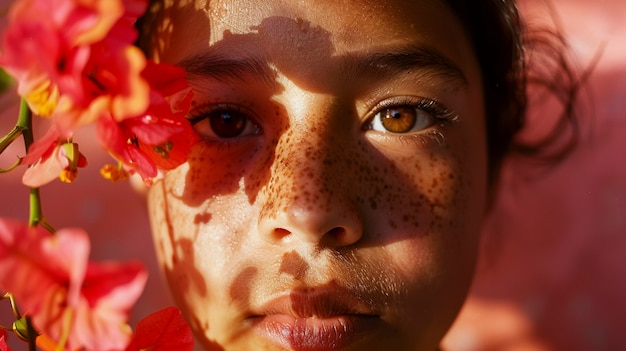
(162, 331)
(3, 341)
(38, 268)
(108, 293)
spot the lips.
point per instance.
(315, 319)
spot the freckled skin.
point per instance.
(315, 198)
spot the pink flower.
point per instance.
(3, 341)
(162, 331)
(64, 294)
(160, 138)
(67, 54)
(50, 157)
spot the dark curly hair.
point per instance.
(513, 58)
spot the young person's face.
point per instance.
(336, 198)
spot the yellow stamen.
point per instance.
(114, 173)
(43, 99)
(68, 175)
(164, 149)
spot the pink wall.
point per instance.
(553, 275)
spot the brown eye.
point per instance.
(227, 124)
(223, 122)
(398, 119)
(401, 119)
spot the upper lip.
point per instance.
(316, 302)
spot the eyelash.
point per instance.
(202, 114)
(439, 113)
(198, 114)
(432, 107)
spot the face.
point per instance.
(335, 200)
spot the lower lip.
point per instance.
(315, 334)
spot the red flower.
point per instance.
(160, 138)
(3, 341)
(78, 65)
(164, 330)
(65, 295)
(66, 54)
(50, 157)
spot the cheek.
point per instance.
(436, 197)
(421, 191)
(439, 198)
(195, 248)
(198, 212)
(213, 172)
(434, 214)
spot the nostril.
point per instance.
(280, 233)
(336, 233)
(320, 228)
(337, 236)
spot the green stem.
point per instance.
(12, 167)
(36, 215)
(25, 121)
(10, 138)
(30, 332)
(24, 128)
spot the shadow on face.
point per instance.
(311, 198)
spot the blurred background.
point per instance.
(553, 270)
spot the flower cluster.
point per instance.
(78, 66)
(75, 64)
(62, 291)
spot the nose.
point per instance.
(307, 198)
(318, 227)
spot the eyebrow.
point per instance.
(402, 60)
(383, 64)
(216, 66)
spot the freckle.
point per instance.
(393, 224)
(373, 204)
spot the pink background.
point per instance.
(553, 273)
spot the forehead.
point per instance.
(315, 27)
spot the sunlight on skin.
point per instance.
(314, 205)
